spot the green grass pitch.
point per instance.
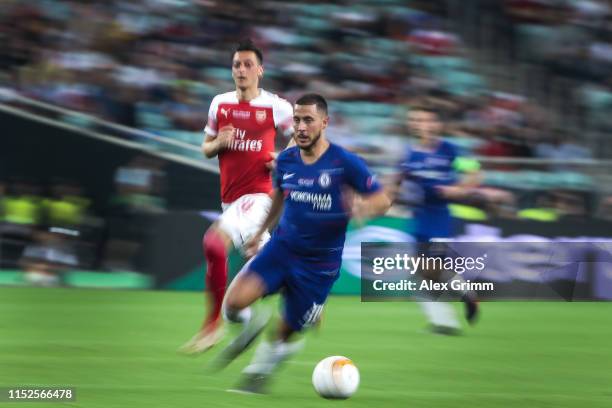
(118, 349)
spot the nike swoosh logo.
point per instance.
(288, 176)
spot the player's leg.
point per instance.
(245, 290)
(440, 315)
(444, 222)
(216, 244)
(303, 305)
(248, 287)
(468, 297)
(260, 277)
(244, 221)
(268, 357)
(239, 221)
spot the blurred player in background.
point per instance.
(241, 130)
(302, 260)
(430, 172)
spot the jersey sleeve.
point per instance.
(451, 173)
(212, 126)
(358, 176)
(277, 176)
(452, 151)
(283, 116)
(464, 164)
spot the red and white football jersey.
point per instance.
(243, 164)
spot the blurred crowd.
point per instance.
(156, 64)
(48, 226)
(512, 78)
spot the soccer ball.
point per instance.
(335, 377)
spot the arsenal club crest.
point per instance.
(260, 116)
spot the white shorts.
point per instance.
(242, 218)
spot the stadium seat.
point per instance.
(149, 116)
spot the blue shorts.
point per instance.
(305, 280)
(432, 222)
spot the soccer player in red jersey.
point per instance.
(241, 131)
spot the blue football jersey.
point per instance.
(427, 170)
(430, 169)
(315, 213)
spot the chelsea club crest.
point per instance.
(324, 180)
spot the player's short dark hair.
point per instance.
(249, 45)
(425, 108)
(313, 99)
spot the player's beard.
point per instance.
(428, 139)
(244, 85)
(310, 145)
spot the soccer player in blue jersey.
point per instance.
(302, 259)
(429, 166)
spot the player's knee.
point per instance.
(238, 298)
(236, 315)
(243, 292)
(214, 245)
(234, 303)
(231, 301)
(230, 314)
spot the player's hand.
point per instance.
(251, 247)
(451, 192)
(271, 165)
(359, 210)
(225, 136)
(353, 205)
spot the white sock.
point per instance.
(268, 356)
(439, 313)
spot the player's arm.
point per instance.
(393, 186)
(394, 181)
(212, 145)
(470, 170)
(271, 165)
(283, 113)
(471, 178)
(372, 205)
(215, 139)
(278, 201)
(371, 198)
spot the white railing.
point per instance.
(8, 98)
